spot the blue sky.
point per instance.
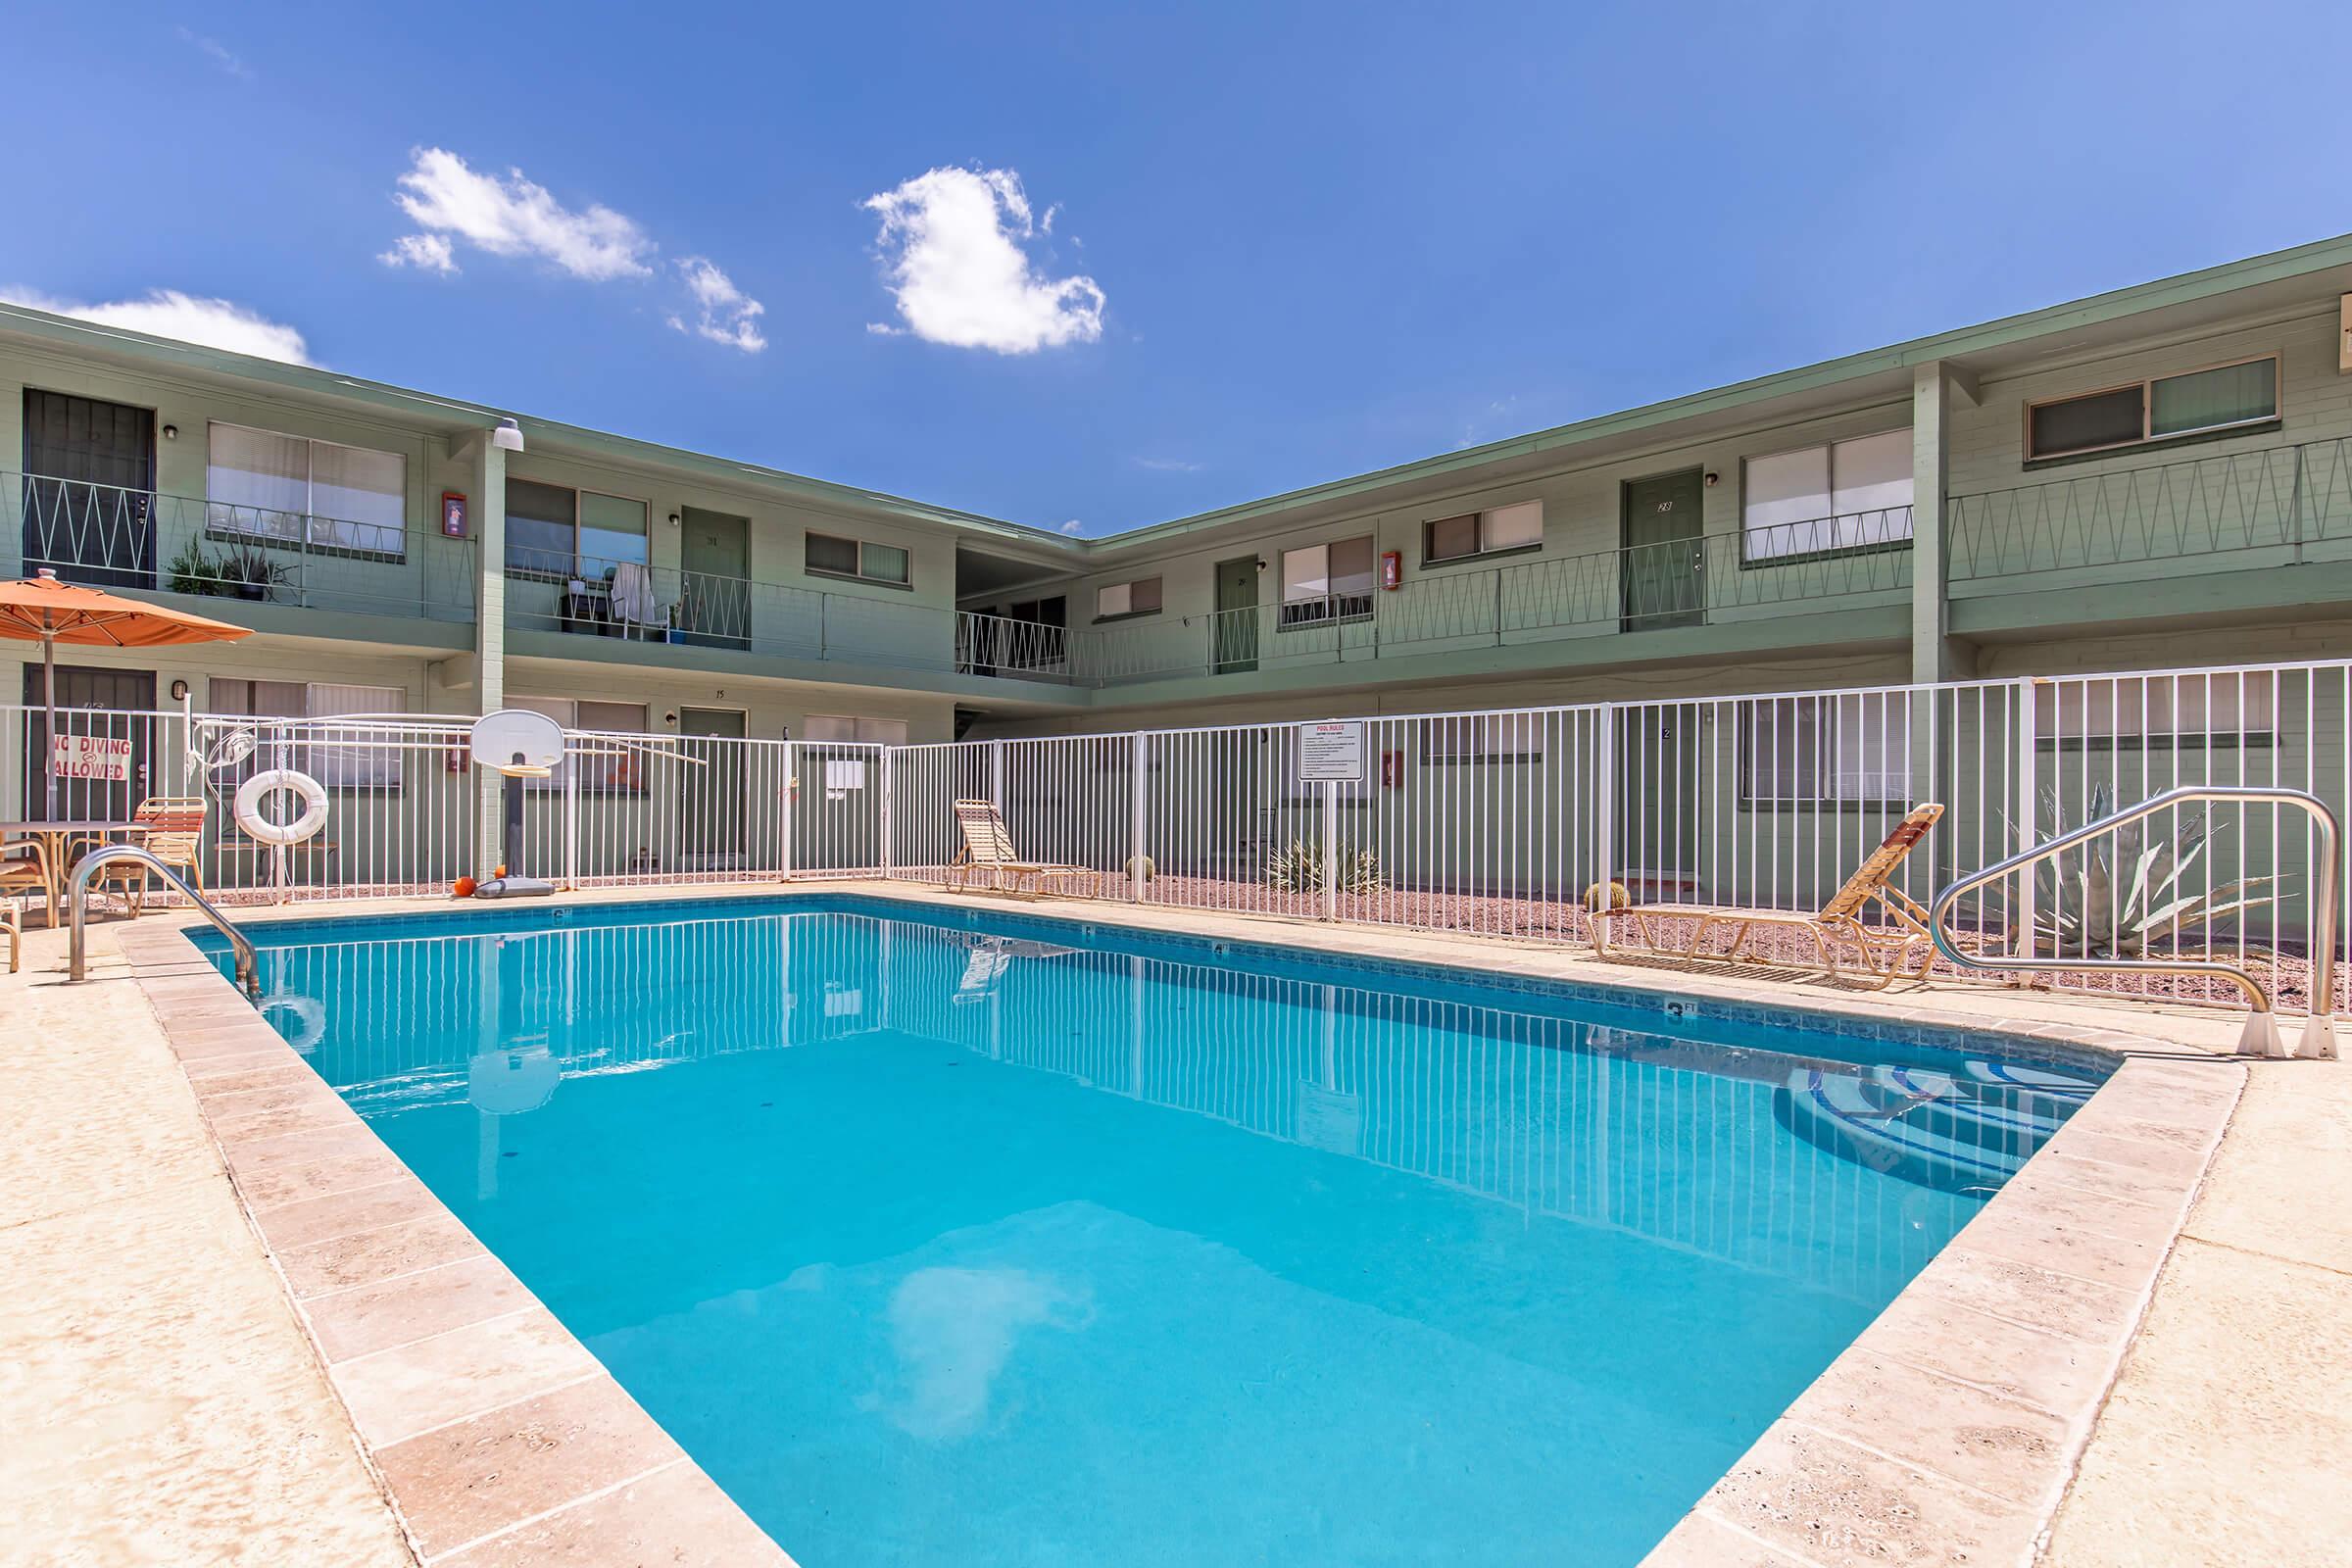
(1264, 246)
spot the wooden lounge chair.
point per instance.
(1886, 951)
(24, 868)
(170, 828)
(986, 846)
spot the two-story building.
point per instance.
(2157, 476)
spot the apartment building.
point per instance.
(2155, 477)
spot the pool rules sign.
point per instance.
(1331, 754)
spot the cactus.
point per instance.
(1300, 869)
(2121, 895)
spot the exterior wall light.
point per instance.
(508, 437)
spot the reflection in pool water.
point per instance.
(933, 1245)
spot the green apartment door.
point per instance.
(1233, 635)
(713, 807)
(1661, 572)
(714, 550)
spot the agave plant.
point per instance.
(2123, 893)
(1300, 869)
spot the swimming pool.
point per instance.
(979, 1237)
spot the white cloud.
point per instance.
(168, 313)
(449, 202)
(219, 53)
(951, 248)
(1167, 465)
(1074, 526)
(427, 253)
(726, 314)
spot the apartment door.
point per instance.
(1660, 751)
(112, 703)
(1662, 572)
(1233, 639)
(712, 809)
(89, 482)
(714, 550)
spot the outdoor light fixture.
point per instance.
(1714, 479)
(179, 688)
(673, 519)
(508, 437)
(171, 432)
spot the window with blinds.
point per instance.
(355, 755)
(1500, 530)
(2165, 407)
(1819, 500)
(289, 489)
(1825, 751)
(1326, 582)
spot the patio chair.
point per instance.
(1886, 952)
(169, 827)
(986, 846)
(642, 609)
(23, 870)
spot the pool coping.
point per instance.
(1952, 1425)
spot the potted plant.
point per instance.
(250, 573)
(192, 571)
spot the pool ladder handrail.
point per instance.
(248, 978)
(2260, 1037)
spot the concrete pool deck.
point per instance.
(2082, 1376)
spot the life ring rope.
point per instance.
(263, 785)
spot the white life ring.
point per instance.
(301, 786)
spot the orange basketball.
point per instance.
(463, 887)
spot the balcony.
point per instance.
(2282, 506)
(1718, 580)
(239, 555)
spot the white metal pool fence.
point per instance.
(1499, 823)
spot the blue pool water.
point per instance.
(1007, 1241)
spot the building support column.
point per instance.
(487, 476)
(1935, 654)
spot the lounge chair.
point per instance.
(24, 872)
(986, 846)
(169, 827)
(1886, 952)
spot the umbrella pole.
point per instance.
(49, 736)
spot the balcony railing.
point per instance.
(601, 597)
(110, 536)
(1687, 582)
(2272, 504)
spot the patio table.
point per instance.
(54, 837)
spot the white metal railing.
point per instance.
(1501, 822)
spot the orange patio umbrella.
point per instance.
(56, 612)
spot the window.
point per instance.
(356, 756)
(558, 532)
(285, 489)
(2224, 709)
(829, 555)
(1843, 495)
(1326, 582)
(1114, 601)
(1499, 532)
(1843, 751)
(2224, 397)
(621, 772)
(839, 729)
(1483, 738)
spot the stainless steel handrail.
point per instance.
(115, 855)
(2260, 1037)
